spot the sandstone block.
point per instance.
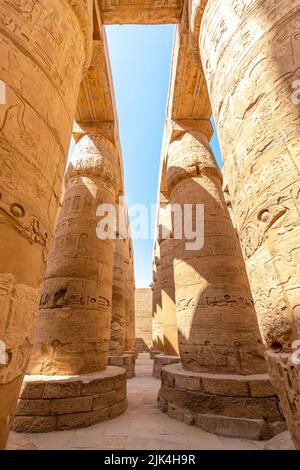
(62, 390)
(34, 424)
(34, 407)
(231, 427)
(261, 387)
(32, 390)
(222, 386)
(64, 406)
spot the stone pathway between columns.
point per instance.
(141, 427)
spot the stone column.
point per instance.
(250, 55)
(130, 347)
(132, 299)
(165, 240)
(222, 384)
(69, 378)
(130, 302)
(117, 354)
(157, 320)
(117, 329)
(45, 50)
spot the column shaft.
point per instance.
(157, 319)
(216, 319)
(117, 329)
(130, 302)
(167, 282)
(76, 302)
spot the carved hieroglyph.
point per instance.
(250, 55)
(157, 318)
(117, 328)
(216, 320)
(166, 278)
(45, 48)
(75, 308)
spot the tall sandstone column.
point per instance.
(250, 55)
(165, 240)
(45, 50)
(130, 346)
(222, 383)
(121, 300)
(157, 319)
(132, 330)
(130, 301)
(117, 329)
(68, 370)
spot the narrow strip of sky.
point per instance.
(141, 61)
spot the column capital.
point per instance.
(182, 126)
(104, 128)
(190, 156)
(95, 156)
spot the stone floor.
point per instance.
(142, 427)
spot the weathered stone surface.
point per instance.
(80, 420)
(34, 424)
(102, 396)
(166, 279)
(153, 353)
(33, 390)
(42, 84)
(59, 390)
(161, 360)
(130, 303)
(232, 427)
(117, 328)
(240, 407)
(109, 399)
(286, 379)
(252, 100)
(157, 315)
(63, 406)
(33, 408)
(261, 387)
(127, 361)
(143, 312)
(221, 386)
(223, 402)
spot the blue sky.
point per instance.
(141, 60)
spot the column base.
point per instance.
(285, 375)
(127, 361)
(228, 405)
(61, 403)
(161, 360)
(133, 352)
(154, 352)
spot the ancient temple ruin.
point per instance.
(225, 316)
